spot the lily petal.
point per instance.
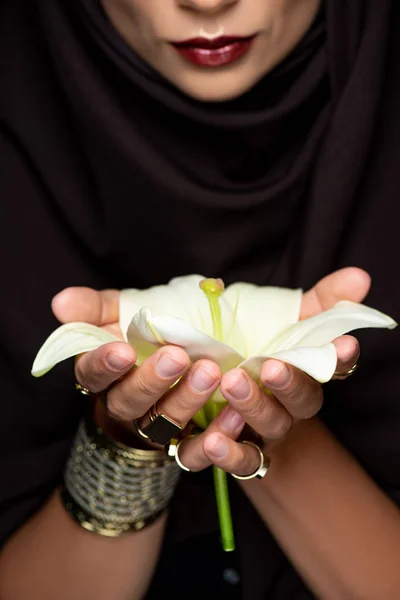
(67, 341)
(261, 312)
(344, 317)
(318, 362)
(147, 333)
(181, 298)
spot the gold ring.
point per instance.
(173, 451)
(353, 369)
(262, 469)
(161, 428)
(153, 412)
(82, 389)
(139, 431)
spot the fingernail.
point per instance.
(168, 366)
(240, 390)
(201, 380)
(219, 449)
(116, 362)
(231, 420)
(277, 375)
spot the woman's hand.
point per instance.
(132, 391)
(295, 396)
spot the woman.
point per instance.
(132, 152)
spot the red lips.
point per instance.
(214, 53)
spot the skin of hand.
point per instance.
(181, 389)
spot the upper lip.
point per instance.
(212, 44)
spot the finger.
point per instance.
(184, 400)
(191, 451)
(300, 394)
(88, 305)
(262, 412)
(143, 386)
(346, 284)
(231, 456)
(98, 369)
(348, 354)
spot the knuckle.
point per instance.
(97, 371)
(280, 427)
(117, 408)
(89, 370)
(181, 402)
(192, 455)
(146, 387)
(184, 401)
(304, 402)
(296, 393)
(311, 409)
(257, 409)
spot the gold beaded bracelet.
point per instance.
(110, 489)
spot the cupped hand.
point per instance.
(131, 391)
(293, 395)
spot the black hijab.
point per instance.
(124, 181)
(217, 165)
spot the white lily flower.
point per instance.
(240, 326)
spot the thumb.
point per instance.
(87, 305)
(346, 284)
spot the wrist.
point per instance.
(293, 459)
(110, 488)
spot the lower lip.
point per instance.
(215, 57)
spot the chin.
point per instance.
(216, 87)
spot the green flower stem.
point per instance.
(201, 419)
(222, 498)
(213, 288)
(224, 509)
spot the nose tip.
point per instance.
(208, 6)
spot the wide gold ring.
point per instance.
(353, 369)
(261, 471)
(161, 429)
(173, 451)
